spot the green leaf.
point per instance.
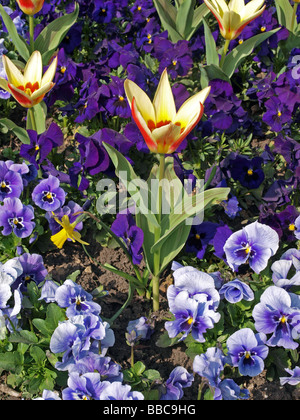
(234, 58)
(212, 56)
(284, 13)
(38, 355)
(40, 115)
(55, 314)
(23, 336)
(167, 14)
(12, 362)
(139, 368)
(21, 133)
(20, 44)
(184, 18)
(165, 341)
(213, 72)
(53, 34)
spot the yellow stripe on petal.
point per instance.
(164, 104)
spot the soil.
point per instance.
(61, 264)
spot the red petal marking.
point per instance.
(219, 22)
(28, 4)
(149, 141)
(22, 99)
(175, 145)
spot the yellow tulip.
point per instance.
(234, 16)
(162, 127)
(28, 87)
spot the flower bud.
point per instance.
(30, 7)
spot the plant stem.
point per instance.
(129, 298)
(226, 46)
(32, 117)
(294, 17)
(31, 33)
(132, 356)
(155, 279)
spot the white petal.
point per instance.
(34, 69)
(164, 104)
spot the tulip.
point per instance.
(234, 16)
(28, 87)
(30, 7)
(162, 127)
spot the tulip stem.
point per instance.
(294, 17)
(32, 118)
(156, 278)
(31, 33)
(226, 46)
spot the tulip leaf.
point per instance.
(213, 71)
(285, 13)
(53, 34)
(184, 18)
(168, 14)
(212, 56)
(20, 44)
(40, 113)
(234, 58)
(20, 132)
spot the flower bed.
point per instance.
(149, 213)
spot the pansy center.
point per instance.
(190, 321)
(292, 227)
(250, 172)
(48, 197)
(16, 222)
(4, 187)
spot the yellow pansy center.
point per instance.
(190, 321)
(250, 172)
(283, 319)
(292, 227)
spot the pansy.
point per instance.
(294, 379)
(5, 295)
(11, 183)
(17, 218)
(282, 276)
(77, 301)
(119, 392)
(200, 237)
(210, 365)
(235, 291)
(124, 227)
(142, 328)
(173, 387)
(247, 171)
(199, 285)
(256, 243)
(275, 315)
(93, 362)
(83, 387)
(48, 195)
(10, 271)
(228, 390)
(33, 270)
(48, 396)
(191, 316)
(41, 145)
(247, 351)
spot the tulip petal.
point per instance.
(217, 12)
(165, 136)
(20, 96)
(42, 91)
(251, 8)
(50, 73)
(34, 69)
(164, 104)
(142, 101)
(141, 123)
(191, 125)
(187, 110)
(15, 77)
(236, 5)
(4, 84)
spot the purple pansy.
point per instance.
(247, 171)
(256, 243)
(276, 315)
(120, 392)
(173, 388)
(48, 195)
(11, 183)
(17, 218)
(294, 379)
(33, 270)
(124, 227)
(235, 291)
(72, 210)
(247, 351)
